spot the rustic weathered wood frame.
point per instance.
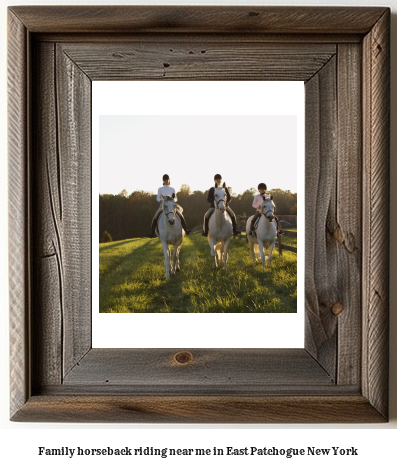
(343, 56)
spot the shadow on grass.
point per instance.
(136, 253)
(113, 245)
(140, 274)
(138, 277)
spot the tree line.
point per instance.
(125, 216)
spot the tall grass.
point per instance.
(132, 279)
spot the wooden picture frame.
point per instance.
(342, 54)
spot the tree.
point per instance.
(127, 217)
(185, 190)
(284, 200)
(106, 237)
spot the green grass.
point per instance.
(289, 240)
(132, 279)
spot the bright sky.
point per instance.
(135, 151)
(249, 132)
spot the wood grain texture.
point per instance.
(73, 89)
(199, 409)
(321, 158)
(226, 59)
(18, 222)
(338, 377)
(346, 227)
(334, 216)
(198, 19)
(48, 279)
(229, 369)
(376, 92)
(194, 39)
(62, 203)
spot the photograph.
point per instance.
(198, 214)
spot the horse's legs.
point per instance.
(269, 259)
(252, 247)
(220, 253)
(172, 265)
(170, 258)
(175, 267)
(225, 255)
(167, 260)
(212, 243)
(262, 252)
(177, 258)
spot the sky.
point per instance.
(249, 132)
(135, 152)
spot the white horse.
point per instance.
(266, 232)
(220, 228)
(170, 231)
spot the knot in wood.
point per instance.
(337, 308)
(338, 235)
(183, 358)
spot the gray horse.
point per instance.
(170, 231)
(265, 233)
(220, 228)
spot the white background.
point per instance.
(282, 103)
(19, 442)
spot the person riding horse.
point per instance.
(257, 205)
(210, 199)
(166, 190)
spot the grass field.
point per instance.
(132, 279)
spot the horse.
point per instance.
(220, 228)
(266, 232)
(169, 230)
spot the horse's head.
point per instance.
(220, 197)
(169, 208)
(267, 207)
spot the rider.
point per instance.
(211, 200)
(166, 190)
(257, 203)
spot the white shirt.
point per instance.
(165, 190)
